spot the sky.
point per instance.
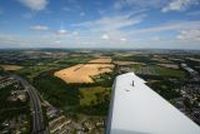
(123, 24)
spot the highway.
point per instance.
(38, 126)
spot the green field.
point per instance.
(34, 68)
(158, 71)
(95, 100)
(136, 58)
(89, 96)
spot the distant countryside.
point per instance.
(75, 85)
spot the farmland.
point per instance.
(172, 66)
(102, 60)
(83, 73)
(11, 67)
(158, 70)
(78, 83)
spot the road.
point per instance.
(38, 126)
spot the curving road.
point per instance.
(38, 126)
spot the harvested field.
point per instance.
(11, 67)
(83, 73)
(160, 59)
(193, 59)
(173, 66)
(123, 63)
(101, 60)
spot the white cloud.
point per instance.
(179, 5)
(156, 38)
(123, 39)
(193, 35)
(58, 42)
(36, 5)
(105, 37)
(35, 41)
(175, 26)
(39, 28)
(92, 41)
(75, 33)
(61, 32)
(112, 22)
(111, 29)
(167, 33)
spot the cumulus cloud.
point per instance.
(193, 35)
(111, 29)
(179, 5)
(35, 5)
(39, 28)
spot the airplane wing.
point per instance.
(136, 109)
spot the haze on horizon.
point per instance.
(100, 24)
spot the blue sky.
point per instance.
(100, 24)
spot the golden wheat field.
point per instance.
(83, 73)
